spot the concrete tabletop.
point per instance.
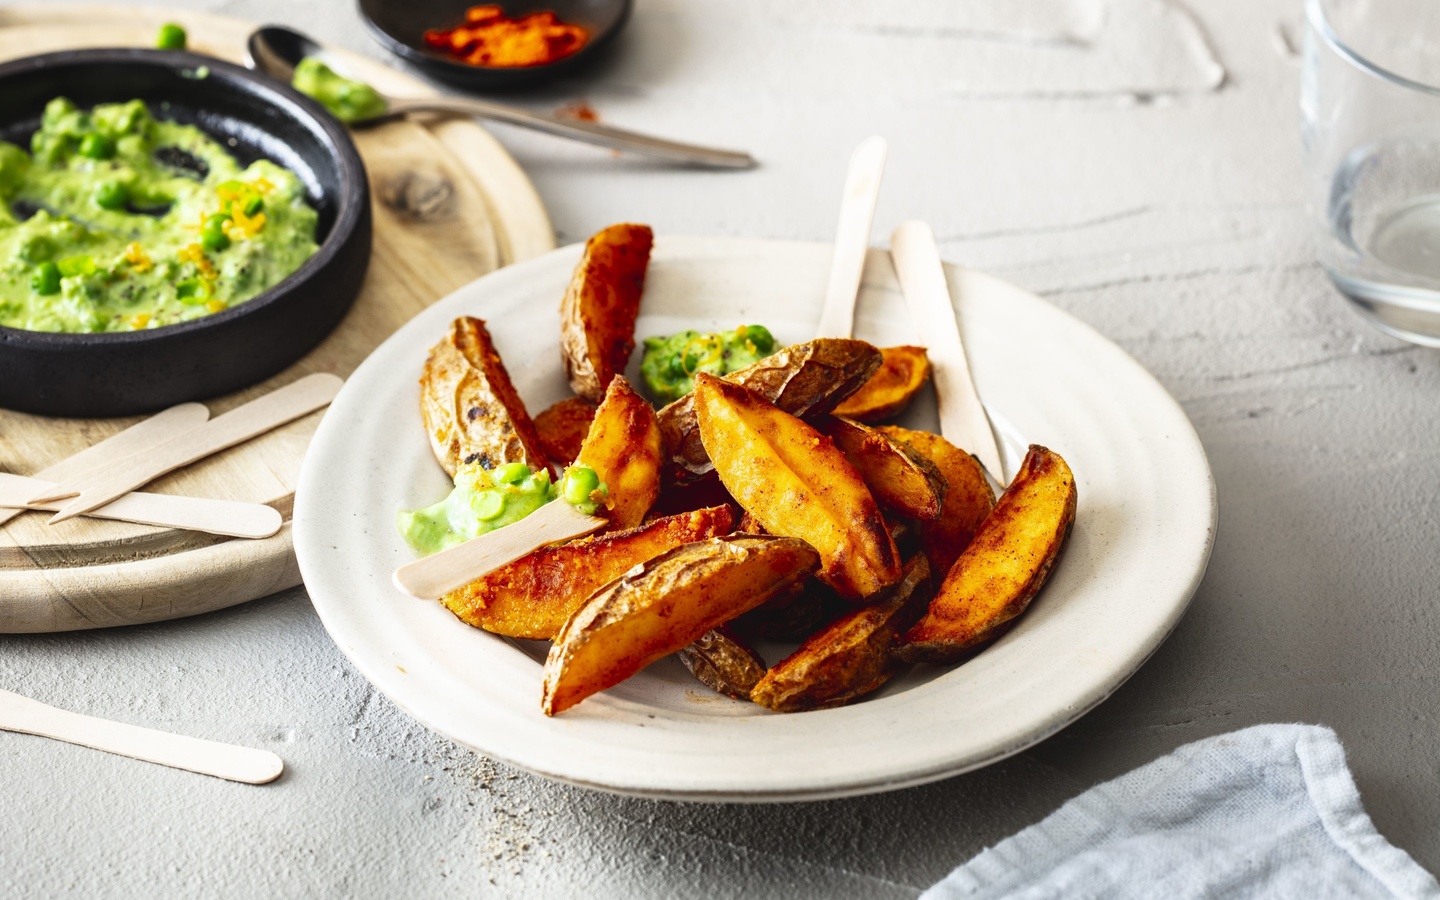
(1135, 162)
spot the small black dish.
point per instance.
(400, 26)
(124, 373)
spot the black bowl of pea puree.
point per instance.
(236, 171)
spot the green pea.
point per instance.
(212, 233)
(171, 37)
(761, 337)
(253, 204)
(112, 195)
(96, 146)
(579, 482)
(37, 248)
(46, 279)
(488, 505)
(511, 473)
(192, 292)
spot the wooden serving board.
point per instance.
(450, 205)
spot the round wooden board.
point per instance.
(450, 205)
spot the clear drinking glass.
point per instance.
(1370, 106)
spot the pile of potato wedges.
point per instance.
(769, 504)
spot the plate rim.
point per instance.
(679, 246)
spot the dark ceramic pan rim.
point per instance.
(499, 77)
(290, 101)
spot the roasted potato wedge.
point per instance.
(623, 447)
(902, 479)
(470, 408)
(900, 377)
(796, 483)
(850, 657)
(597, 315)
(724, 663)
(533, 596)
(664, 605)
(562, 428)
(968, 497)
(803, 380)
(996, 577)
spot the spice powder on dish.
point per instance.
(490, 39)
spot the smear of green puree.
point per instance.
(347, 99)
(116, 221)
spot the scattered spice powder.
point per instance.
(489, 39)
(578, 110)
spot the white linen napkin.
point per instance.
(1269, 811)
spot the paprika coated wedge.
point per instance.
(1006, 564)
(795, 482)
(968, 497)
(849, 657)
(623, 447)
(533, 596)
(902, 479)
(597, 314)
(665, 605)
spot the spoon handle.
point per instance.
(590, 132)
(21, 714)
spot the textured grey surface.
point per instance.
(1105, 166)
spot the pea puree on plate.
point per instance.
(484, 501)
(117, 221)
(670, 363)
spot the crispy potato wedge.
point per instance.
(623, 447)
(533, 596)
(469, 405)
(968, 498)
(996, 577)
(562, 428)
(804, 380)
(664, 605)
(850, 657)
(796, 483)
(902, 479)
(724, 663)
(901, 375)
(597, 315)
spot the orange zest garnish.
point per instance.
(135, 256)
(192, 253)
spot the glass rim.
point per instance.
(1315, 14)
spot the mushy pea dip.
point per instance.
(117, 221)
(670, 363)
(484, 501)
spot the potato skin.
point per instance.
(850, 657)
(533, 596)
(664, 605)
(724, 663)
(562, 427)
(471, 410)
(968, 497)
(804, 380)
(902, 479)
(901, 375)
(623, 447)
(998, 575)
(795, 482)
(598, 312)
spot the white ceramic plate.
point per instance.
(1141, 540)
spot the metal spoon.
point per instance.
(275, 51)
